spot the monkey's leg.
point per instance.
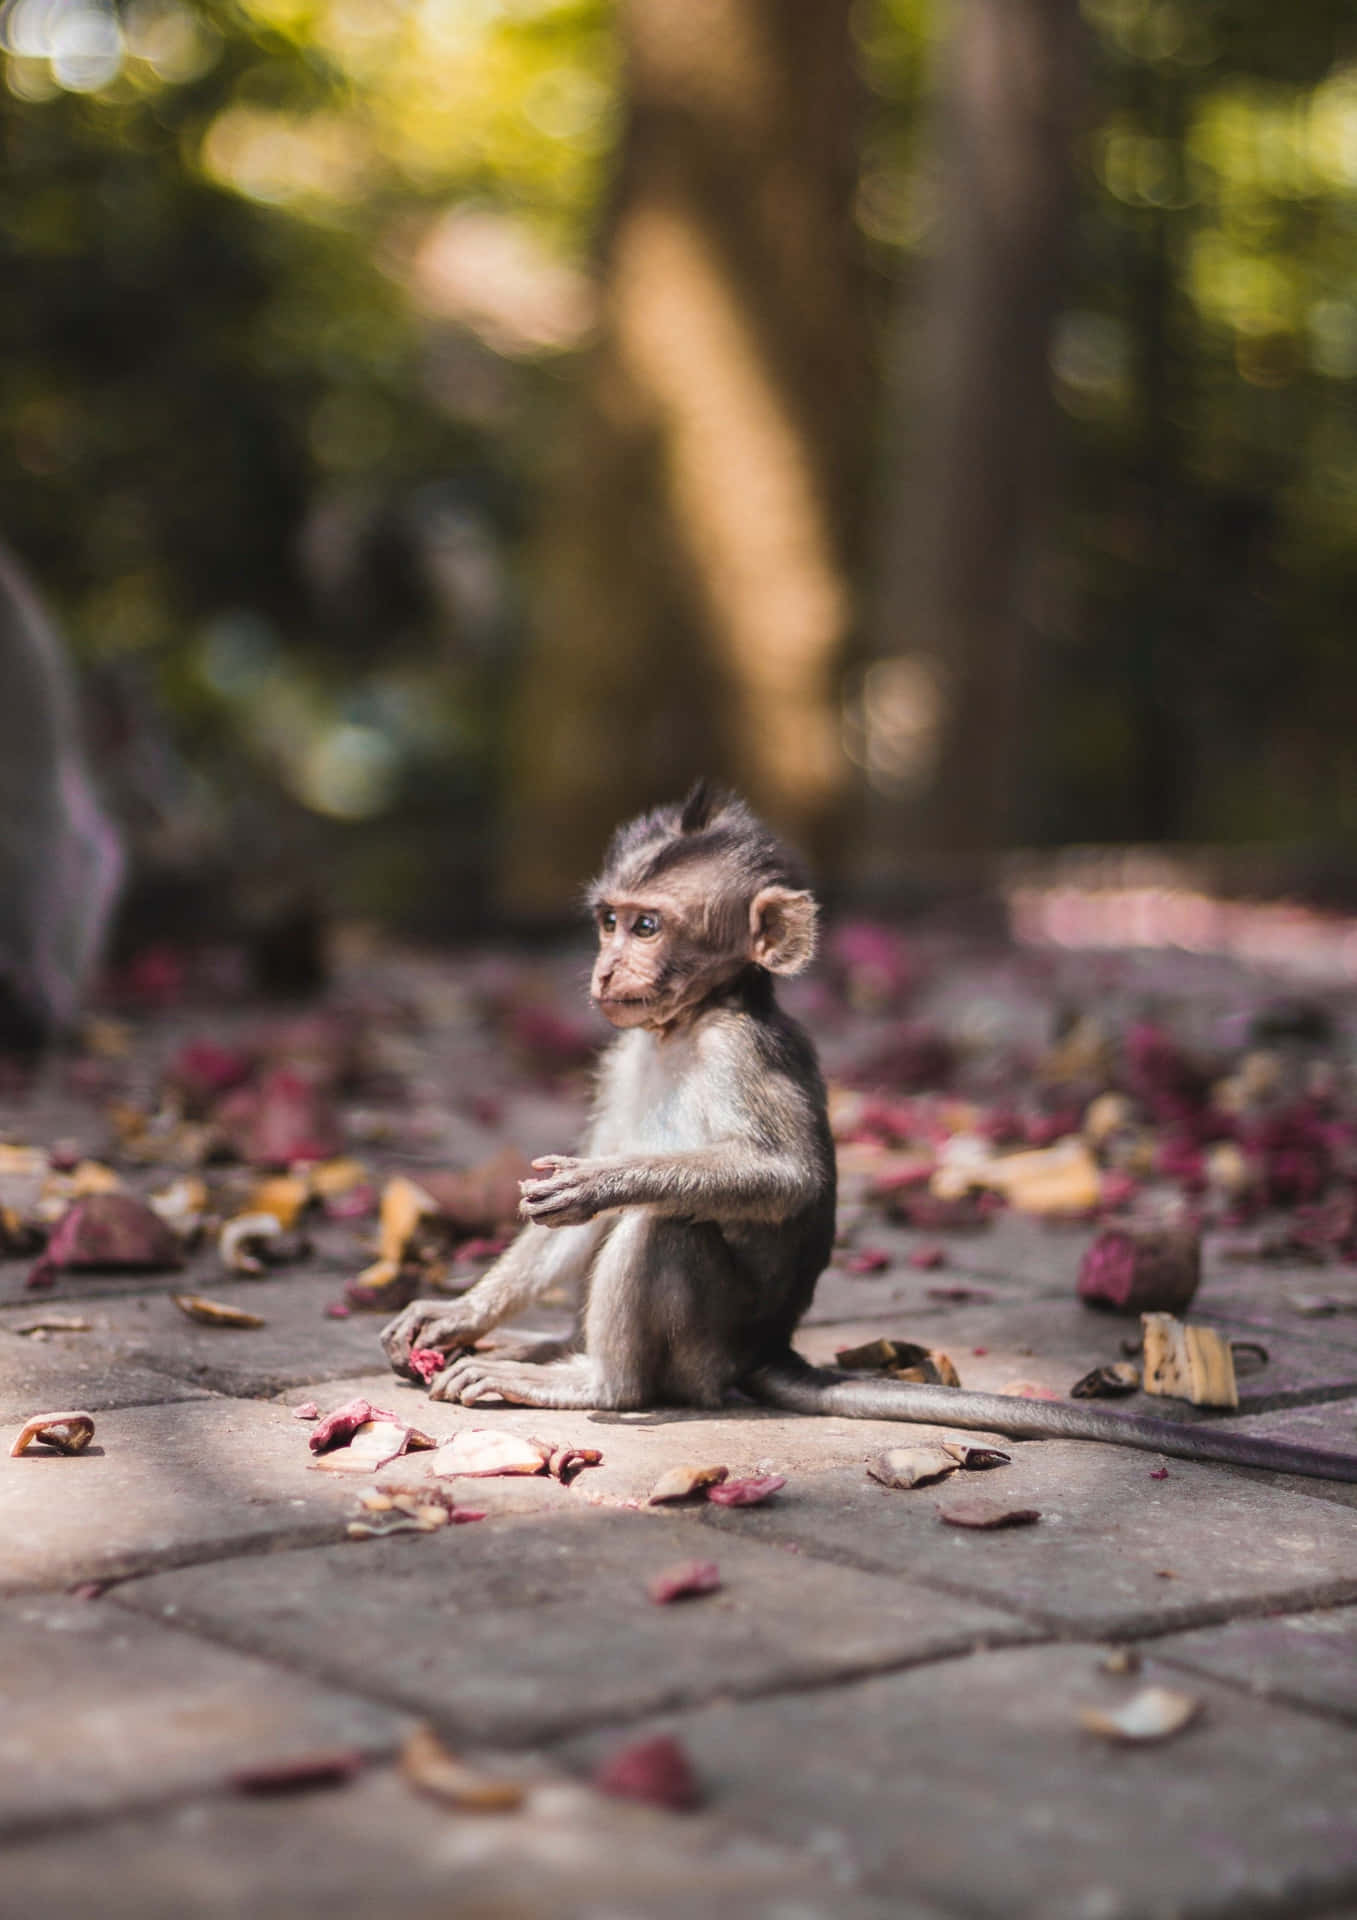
(474, 1377)
(537, 1260)
(800, 1388)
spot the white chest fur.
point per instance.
(660, 1098)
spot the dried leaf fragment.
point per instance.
(656, 1771)
(283, 1195)
(684, 1581)
(905, 1467)
(53, 1323)
(484, 1451)
(1155, 1713)
(1188, 1363)
(428, 1766)
(62, 1432)
(214, 1313)
(679, 1483)
(751, 1492)
(986, 1515)
(903, 1359)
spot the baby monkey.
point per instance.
(700, 1213)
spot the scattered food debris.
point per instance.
(1188, 1363)
(112, 1232)
(1107, 1383)
(360, 1438)
(683, 1582)
(429, 1767)
(905, 1467)
(976, 1459)
(902, 1359)
(62, 1432)
(1155, 1713)
(656, 1771)
(243, 1240)
(752, 1492)
(679, 1483)
(1141, 1272)
(308, 1410)
(986, 1515)
(484, 1451)
(1160, 1473)
(426, 1363)
(867, 1260)
(52, 1323)
(213, 1313)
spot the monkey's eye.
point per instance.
(607, 920)
(646, 925)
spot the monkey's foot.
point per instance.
(476, 1376)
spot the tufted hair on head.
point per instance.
(707, 827)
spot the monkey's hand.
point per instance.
(431, 1323)
(566, 1192)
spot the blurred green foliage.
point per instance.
(294, 288)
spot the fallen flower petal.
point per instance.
(683, 1582)
(656, 1771)
(746, 1493)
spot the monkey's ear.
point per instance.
(782, 929)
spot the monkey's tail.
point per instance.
(795, 1386)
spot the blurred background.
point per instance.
(442, 427)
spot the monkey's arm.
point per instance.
(799, 1388)
(733, 1180)
(532, 1265)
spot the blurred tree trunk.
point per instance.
(693, 593)
(960, 528)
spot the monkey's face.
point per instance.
(649, 969)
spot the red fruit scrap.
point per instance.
(339, 1427)
(1144, 1272)
(1161, 1074)
(656, 1771)
(425, 1362)
(203, 1070)
(746, 1493)
(113, 1232)
(928, 1258)
(867, 1260)
(684, 1582)
(287, 1118)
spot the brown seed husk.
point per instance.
(678, 1483)
(427, 1764)
(213, 1313)
(62, 1432)
(905, 1467)
(976, 1459)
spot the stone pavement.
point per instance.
(883, 1711)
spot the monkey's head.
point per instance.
(690, 896)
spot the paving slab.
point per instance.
(1116, 1552)
(162, 1485)
(1012, 1257)
(375, 1848)
(1053, 1343)
(519, 1629)
(79, 1370)
(1308, 1659)
(972, 1783)
(106, 1709)
(299, 1343)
